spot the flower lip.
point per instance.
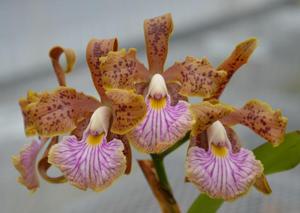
(100, 121)
(92, 162)
(163, 125)
(157, 87)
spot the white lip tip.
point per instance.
(157, 87)
(100, 120)
(217, 134)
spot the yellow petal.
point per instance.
(206, 113)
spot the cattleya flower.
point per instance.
(168, 117)
(93, 156)
(216, 163)
(149, 109)
(92, 162)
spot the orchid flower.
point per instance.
(168, 117)
(93, 156)
(148, 108)
(216, 163)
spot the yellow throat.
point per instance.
(95, 140)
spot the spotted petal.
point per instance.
(206, 113)
(163, 125)
(121, 70)
(53, 113)
(262, 119)
(238, 58)
(91, 162)
(222, 174)
(129, 109)
(173, 90)
(97, 48)
(157, 32)
(25, 163)
(197, 77)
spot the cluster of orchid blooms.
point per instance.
(149, 109)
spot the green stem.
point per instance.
(161, 171)
(158, 161)
(164, 192)
(159, 158)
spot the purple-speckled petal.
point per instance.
(25, 162)
(163, 125)
(90, 163)
(228, 176)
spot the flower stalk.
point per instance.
(155, 174)
(158, 162)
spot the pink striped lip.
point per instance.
(163, 125)
(219, 172)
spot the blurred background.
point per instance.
(202, 28)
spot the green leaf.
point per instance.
(281, 158)
(278, 159)
(205, 204)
